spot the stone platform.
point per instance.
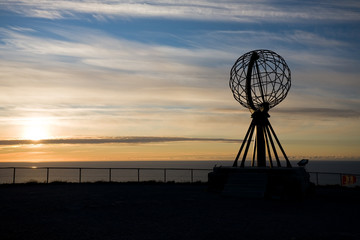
(257, 182)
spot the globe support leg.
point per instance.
(273, 147)
(254, 155)
(247, 145)
(288, 164)
(262, 148)
(267, 146)
(235, 164)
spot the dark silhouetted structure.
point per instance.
(303, 162)
(259, 80)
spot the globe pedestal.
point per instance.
(264, 146)
(260, 182)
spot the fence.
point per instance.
(88, 174)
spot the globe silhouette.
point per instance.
(260, 80)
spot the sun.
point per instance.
(36, 129)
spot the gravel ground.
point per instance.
(170, 211)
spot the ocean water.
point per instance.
(178, 171)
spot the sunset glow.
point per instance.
(36, 129)
(149, 74)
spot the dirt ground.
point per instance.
(170, 211)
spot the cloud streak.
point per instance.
(93, 76)
(320, 112)
(237, 11)
(117, 140)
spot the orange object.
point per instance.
(348, 180)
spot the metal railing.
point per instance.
(163, 175)
(109, 178)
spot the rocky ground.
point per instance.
(170, 211)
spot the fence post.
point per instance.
(47, 175)
(14, 175)
(109, 174)
(138, 170)
(164, 175)
(79, 175)
(192, 175)
(317, 179)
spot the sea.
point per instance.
(334, 172)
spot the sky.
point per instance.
(149, 80)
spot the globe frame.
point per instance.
(270, 79)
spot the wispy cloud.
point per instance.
(96, 48)
(93, 76)
(239, 11)
(102, 51)
(328, 113)
(300, 37)
(96, 68)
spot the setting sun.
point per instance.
(36, 129)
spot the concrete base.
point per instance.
(255, 182)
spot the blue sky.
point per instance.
(102, 69)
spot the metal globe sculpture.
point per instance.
(260, 78)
